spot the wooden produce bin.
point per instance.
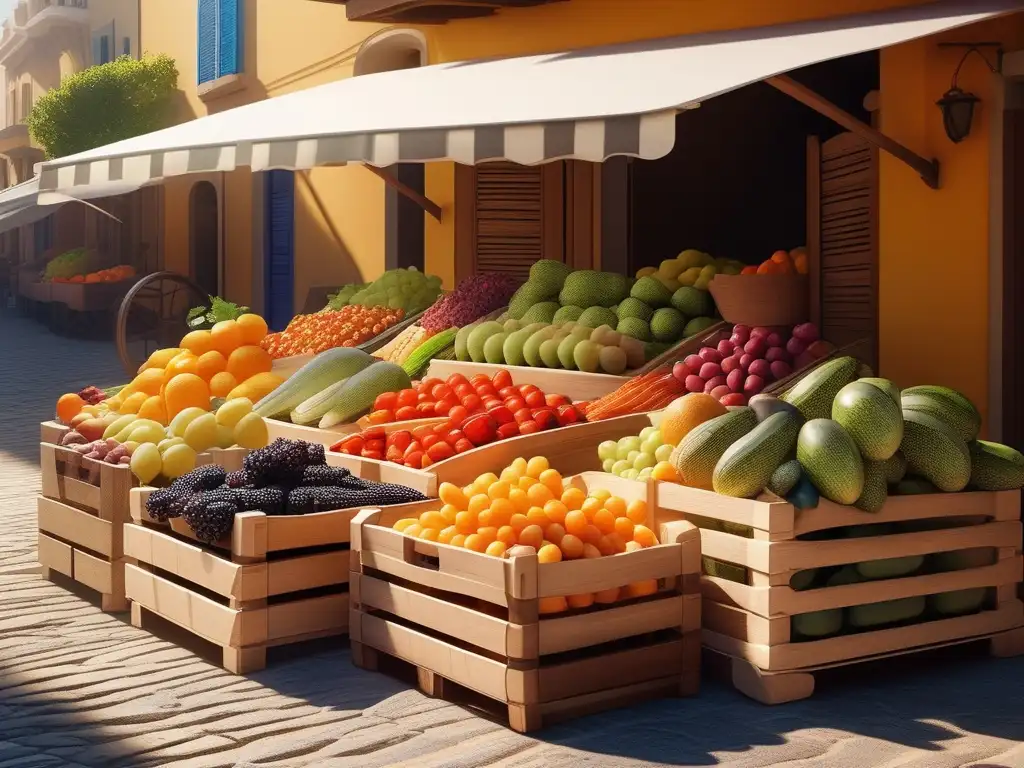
(276, 580)
(470, 624)
(52, 432)
(81, 511)
(755, 546)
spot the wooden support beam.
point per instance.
(928, 169)
(426, 204)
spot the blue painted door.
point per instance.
(279, 249)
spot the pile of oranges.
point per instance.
(349, 326)
(226, 361)
(530, 505)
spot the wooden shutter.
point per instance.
(842, 222)
(229, 37)
(206, 36)
(508, 216)
(279, 279)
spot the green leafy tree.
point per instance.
(100, 105)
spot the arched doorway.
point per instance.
(204, 237)
(403, 219)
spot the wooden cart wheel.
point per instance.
(152, 316)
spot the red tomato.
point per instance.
(385, 401)
(423, 398)
(444, 407)
(480, 429)
(546, 418)
(374, 433)
(554, 401)
(509, 429)
(338, 446)
(457, 414)
(502, 379)
(535, 399)
(462, 390)
(377, 444)
(529, 427)
(415, 459)
(381, 417)
(355, 442)
(487, 392)
(440, 451)
(394, 453)
(464, 445)
(422, 431)
(440, 391)
(406, 412)
(425, 411)
(426, 461)
(441, 429)
(407, 397)
(429, 440)
(567, 414)
(456, 380)
(523, 414)
(490, 402)
(429, 383)
(515, 403)
(413, 447)
(501, 414)
(367, 453)
(480, 379)
(506, 392)
(401, 438)
(471, 403)
(526, 389)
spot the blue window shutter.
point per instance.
(229, 53)
(96, 50)
(104, 49)
(279, 248)
(206, 40)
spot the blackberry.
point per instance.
(237, 479)
(316, 454)
(304, 500)
(210, 514)
(324, 475)
(301, 501)
(165, 503)
(269, 501)
(204, 478)
(280, 463)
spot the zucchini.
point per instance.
(358, 392)
(423, 354)
(312, 409)
(323, 370)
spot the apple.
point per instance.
(745, 360)
(733, 398)
(753, 385)
(806, 332)
(91, 429)
(719, 392)
(795, 346)
(756, 346)
(694, 362)
(774, 340)
(730, 364)
(694, 383)
(717, 381)
(710, 370)
(735, 380)
(780, 369)
(743, 331)
(776, 353)
(760, 368)
(710, 355)
(726, 347)
(681, 370)
(760, 332)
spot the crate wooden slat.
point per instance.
(52, 432)
(577, 385)
(81, 511)
(474, 620)
(276, 580)
(748, 614)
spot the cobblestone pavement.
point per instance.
(80, 688)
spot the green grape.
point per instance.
(630, 474)
(663, 453)
(620, 466)
(607, 465)
(606, 450)
(644, 461)
(645, 474)
(632, 456)
(647, 432)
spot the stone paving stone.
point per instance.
(79, 688)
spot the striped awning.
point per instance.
(21, 205)
(589, 104)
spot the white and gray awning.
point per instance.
(23, 203)
(589, 104)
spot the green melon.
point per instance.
(595, 317)
(871, 417)
(567, 314)
(886, 612)
(544, 312)
(995, 467)
(945, 404)
(830, 459)
(872, 497)
(651, 292)
(895, 468)
(631, 307)
(785, 478)
(697, 325)
(529, 293)
(667, 324)
(587, 288)
(885, 385)
(697, 454)
(747, 466)
(693, 302)
(635, 328)
(935, 451)
(550, 275)
(814, 393)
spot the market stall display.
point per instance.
(212, 549)
(349, 326)
(407, 289)
(573, 637)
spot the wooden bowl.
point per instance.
(762, 299)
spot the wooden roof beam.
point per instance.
(928, 169)
(425, 203)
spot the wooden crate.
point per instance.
(276, 580)
(755, 550)
(52, 432)
(471, 622)
(328, 437)
(81, 510)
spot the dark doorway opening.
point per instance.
(204, 237)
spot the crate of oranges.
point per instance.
(544, 597)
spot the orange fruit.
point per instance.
(496, 549)
(186, 390)
(590, 506)
(154, 408)
(478, 503)
(466, 522)
(553, 480)
(604, 521)
(502, 510)
(69, 406)
(642, 588)
(247, 361)
(519, 500)
(449, 512)
(149, 381)
(636, 511)
(197, 342)
(536, 516)
(581, 601)
(552, 605)
(433, 520)
(549, 553)
(616, 506)
(591, 534)
(606, 546)
(476, 543)
(222, 383)
(450, 493)
(404, 523)
(499, 490)
(518, 522)
(571, 546)
(526, 481)
(576, 522)
(644, 536)
(209, 364)
(532, 536)
(507, 535)
(536, 465)
(181, 365)
(624, 527)
(633, 546)
(590, 552)
(458, 540)
(539, 494)
(430, 534)
(573, 498)
(253, 328)
(665, 472)
(606, 596)
(685, 413)
(226, 337)
(554, 533)
(413, 530)
(447, 534)
(556, 511)
(488, 533)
